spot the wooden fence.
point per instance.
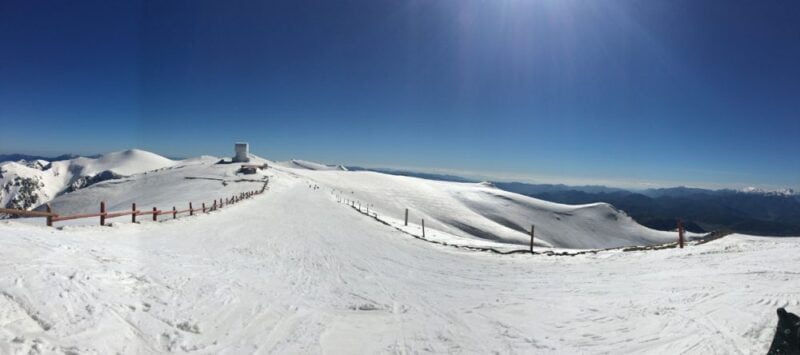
(53, 217)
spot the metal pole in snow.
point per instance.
(102, 213)
(133, 212)
(155, 215)
(49, 217)
(423, 227)
(680, 234)
(406, 217)
(532, 228)
(191, 211)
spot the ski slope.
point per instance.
(293, 271)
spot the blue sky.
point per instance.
(630, 93)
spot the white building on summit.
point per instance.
(242, 153)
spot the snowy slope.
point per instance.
(194, 180)
(480, 211)
(293, 271)
(456, 213)
(307, 165)
(26, 185)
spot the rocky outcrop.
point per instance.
(86, 181)
(24, 192)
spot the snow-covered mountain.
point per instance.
(472, 214)
(760, 191)
(29, 184)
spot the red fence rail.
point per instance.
(103, 214)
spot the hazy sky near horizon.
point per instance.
(701, 93)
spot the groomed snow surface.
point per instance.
(295, 271)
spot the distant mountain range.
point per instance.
(749, 210)
(27, 157)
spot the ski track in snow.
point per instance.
(292, 271)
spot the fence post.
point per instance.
(155, 215)
(102, 213)
(532, 228)
(406, 217)
(174, 212)
(49, 217)
(133, 212)
(204, 207)
(423, 227)
(191, 211)
(680, 234)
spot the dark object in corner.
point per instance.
(787, 335)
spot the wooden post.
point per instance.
(532, 228)
(133, 212)
(102, 213)
(423, 227)
(174, 212)
(215, 205)
(406, 217)
(155, 216)
(49, 218)
(680, 234)
(191, 211)
(204, 207)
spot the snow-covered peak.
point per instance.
(126, 162)
(28, 184)
(760, 191)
